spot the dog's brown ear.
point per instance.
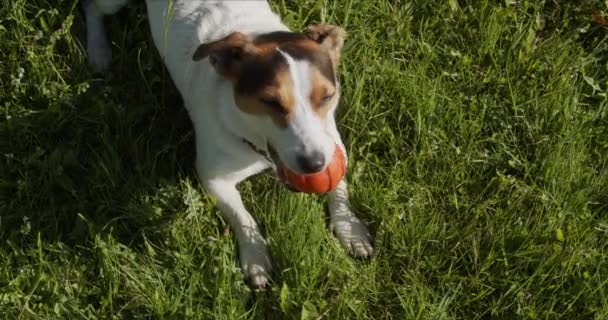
(328, 36)
(226, 55)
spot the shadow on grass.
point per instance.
(95, 151)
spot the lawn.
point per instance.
(477, 134)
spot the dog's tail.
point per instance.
(106, 7)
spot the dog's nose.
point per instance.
(311, 163)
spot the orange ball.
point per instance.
(322, 181)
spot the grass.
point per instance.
(478, 139)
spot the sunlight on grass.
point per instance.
(477, 136)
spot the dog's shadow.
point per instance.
(90, 158)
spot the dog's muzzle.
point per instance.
(271, 155)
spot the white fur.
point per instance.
(99, 52)
(306, 131)
(222, 159)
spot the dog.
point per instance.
(259, 96)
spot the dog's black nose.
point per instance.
(311, 163)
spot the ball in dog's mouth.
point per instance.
(320, 182)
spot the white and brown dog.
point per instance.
(252, 88)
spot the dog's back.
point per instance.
(179, 26)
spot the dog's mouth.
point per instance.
(278, 166)
(272, 156)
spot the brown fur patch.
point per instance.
(279, 92)
(260, 73)
(322, 88)
(228, 54)
(329, 37)
(300, 47)
(266, 76)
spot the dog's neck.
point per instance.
(255, 148)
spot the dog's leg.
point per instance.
(253, 254)
(351, 232)
(99, 52)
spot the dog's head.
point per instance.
(286, 83)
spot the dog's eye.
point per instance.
(274, 104)
(327, 97)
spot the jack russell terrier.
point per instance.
(252, 88)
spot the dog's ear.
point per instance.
(329, 37)
(226, 55)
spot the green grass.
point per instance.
(478, 138)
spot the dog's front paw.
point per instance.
(256, 264)
(353, 235)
